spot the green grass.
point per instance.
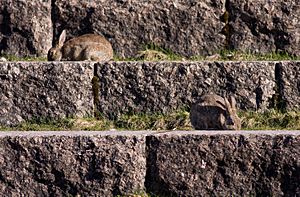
(153, 52)
(232, 55)
(13, 58)
(270, 120)
(228, 55)
(174, 121)
(42, 125)
(138, 194)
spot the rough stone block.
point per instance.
(44, 90)
(126, 87)
(245, 163)
(265, 26)
(252, 83)
(71, 163)
(289, 84)
(174, 163)
(186, 27)
(25, 27)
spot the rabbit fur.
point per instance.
(215, 112)
(89, 47)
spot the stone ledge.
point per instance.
(71, 164)
(62, 89)
(179, 163)
(186, 27)
(227, 163)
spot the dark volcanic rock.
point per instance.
(126, 87)
(265, 26)
(212, 163)
(186, 27)
(25, 27)
(44, 90)
(72, 164)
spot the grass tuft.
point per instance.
(233, 55)
(270, 120)
(174, 121)
(152, 52)
(13, 58)
(179, 120)
(42, 124)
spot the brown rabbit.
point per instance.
(215, 112)
(90, 47)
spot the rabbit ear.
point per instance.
(232, 102)
(222, 105)
(227, 104)
(62, 38)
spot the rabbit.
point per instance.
(89, 47)
(215, 112)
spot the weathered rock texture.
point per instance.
(71, 164)
(288, 77)
(224, 163)
(264, 26)
(44, 90)
(59, 89)
(25, 27)
(186, 27)
(181, 163)
(126, 87)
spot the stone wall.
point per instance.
(181, 163)
(188, 28)
(30, 90)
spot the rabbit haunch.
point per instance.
(86, 47)
(215, 112)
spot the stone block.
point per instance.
(289, 84)
(72, 163)
(135, 87)
(31, 90)
(215, 163)
(168, 163)
(264, 26)
(25, 27)
(186, 27)
(252, 83)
